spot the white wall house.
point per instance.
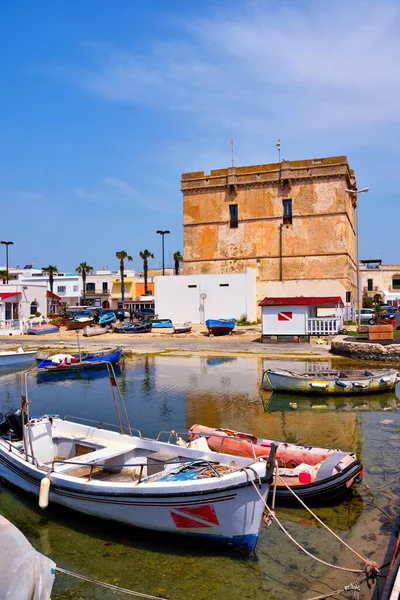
(98, 289)
(200, 297)
(18, 303)
(301, 316)
(66, 285)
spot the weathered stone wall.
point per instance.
(319, 244)
(359, 350)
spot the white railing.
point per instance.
(10, 324)
(323, 325)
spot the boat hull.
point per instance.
(220, 326)
(230, 514)
(332, 472)
(19, 358)
(43, 330)
(111, 357)
(182, 327)
(72, 325)
(282, 381)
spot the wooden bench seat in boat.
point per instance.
(98, 456)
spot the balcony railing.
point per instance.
(323, 325)
(98, 292)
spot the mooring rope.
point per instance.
(321, 522)
(368, 564)
(108, 586)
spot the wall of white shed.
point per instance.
(181, 298)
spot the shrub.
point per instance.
(37, 314)
(57, 321)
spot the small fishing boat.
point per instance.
(331, 382)
(185, 327)
(93, 331)
(44, 376)
(42, 329)
(220, 326)
(16, 357)
(107, 319)
(155, 485)
(108, 356)
(79, 323)
(139, 327)
(316, 474)
(157, 323)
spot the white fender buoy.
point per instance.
(44, 492)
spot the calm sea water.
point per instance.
(164, 393)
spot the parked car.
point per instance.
(367, 315)
(387, 311)
(145, 313)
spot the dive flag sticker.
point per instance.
(285, 316)
(189, 518)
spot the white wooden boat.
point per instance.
(183, 327)
(134, 480)
(16, 357)
(331, 382)
(92, 331)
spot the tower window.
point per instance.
(233, 216)
(287, 212)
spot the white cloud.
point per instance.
(315, 65)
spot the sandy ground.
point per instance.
(243, 340)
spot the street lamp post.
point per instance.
(6, 245)
(355, 191)
(162, 233)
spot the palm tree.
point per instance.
(178, 258)
(122, 255)
(83, 269)
(145, 255)
(50, 270)
(3, 276)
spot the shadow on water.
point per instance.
(282, 401)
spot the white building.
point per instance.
(20, 303)
(200, 297)
(297, 317)
(98, 289)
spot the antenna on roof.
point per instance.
(278, 145)
(232, 148)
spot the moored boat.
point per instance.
(133, 480)
(16, 357)
(109, 356)
(331, 382)
(185, 327)
(315, 474)
(220, 326)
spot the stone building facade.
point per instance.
(292, 221)
(377, 278)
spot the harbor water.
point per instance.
(173, 393)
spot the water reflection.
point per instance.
(284, 401)
(164, 393)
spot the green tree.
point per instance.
(50, 271)
(145, 255)
(367, 301)
(122, 256)
(83, 269)
(178, 258)
(377, 299)
(3, 275)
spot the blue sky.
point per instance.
(104, 104)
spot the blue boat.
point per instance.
(220, 326)
(161, 323)
(113, 356)
(107, 318)
(142, 327)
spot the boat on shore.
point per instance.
(154, 485)
(220, 326)
(157, 323)
(93, 331)
(85, 358)
(42, 329)
(138, 327)
(17, 357)
(185, 327)
(107, 318)
(317, 475)
(331, 382)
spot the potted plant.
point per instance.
(379, 331)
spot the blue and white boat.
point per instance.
(220, 326)
(111, 356)
(107, 318)
(157, 323)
